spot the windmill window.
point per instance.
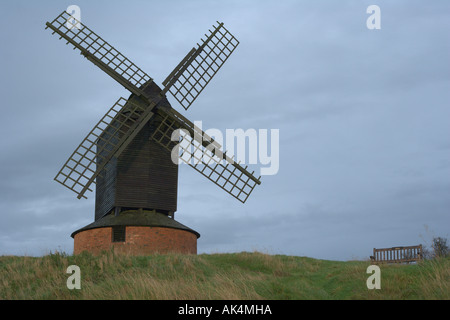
(118, 234)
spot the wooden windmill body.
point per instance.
(128, 154)
(142, 177)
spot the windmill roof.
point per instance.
(137, 218)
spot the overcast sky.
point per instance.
(363, 116)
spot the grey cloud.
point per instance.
(363, 120)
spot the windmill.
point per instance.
(128, 154)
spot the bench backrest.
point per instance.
(397, 254)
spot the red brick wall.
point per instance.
(139, 241)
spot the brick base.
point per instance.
(138, 241)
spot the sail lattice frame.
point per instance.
(100, 52)
(102, 143)
(126, 118)
(203, 154)
(196, 70)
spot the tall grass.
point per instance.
(435, 279)
(216, 276)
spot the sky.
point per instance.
(363, 118)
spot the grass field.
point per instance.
(217, 276)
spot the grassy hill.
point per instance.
(216, 276)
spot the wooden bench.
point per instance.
(397, 255)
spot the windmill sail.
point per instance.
(196, 70)
(207, 158)
(101, 53)
(106, 140)
(121, 124)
